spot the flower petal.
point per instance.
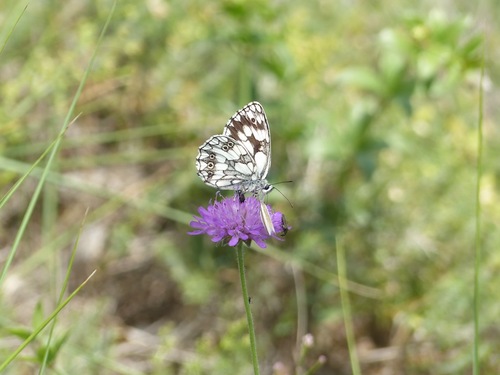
(232, 221)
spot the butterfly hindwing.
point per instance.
(224, 163)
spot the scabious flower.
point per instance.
(232, 220)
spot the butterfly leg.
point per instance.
(241, 196)
(218, 194)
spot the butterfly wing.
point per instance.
(224, 163)
(265, 217)
(249, 126)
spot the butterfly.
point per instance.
(240, 157)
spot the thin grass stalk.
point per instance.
(346, 309)
(477, 251)
(246, 301)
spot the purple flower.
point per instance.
(231, 220)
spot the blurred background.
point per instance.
(374, 110)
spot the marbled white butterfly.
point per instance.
(240, 157)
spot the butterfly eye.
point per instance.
(266, 189)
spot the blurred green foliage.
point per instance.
(373, 110)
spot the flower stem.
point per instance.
(246, 301)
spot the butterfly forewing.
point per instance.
(250, 127)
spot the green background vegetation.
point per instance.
(374, 113)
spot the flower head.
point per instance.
(232, 220)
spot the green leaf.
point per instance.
(38, 317)
(21, 332)
(364, 78)
(53, 349)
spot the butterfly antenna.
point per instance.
(282, 182)
(288, 200)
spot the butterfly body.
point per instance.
(240, 157)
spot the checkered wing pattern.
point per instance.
(238, 159)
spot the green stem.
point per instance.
(476, 369)
(246, 301)
(346, 309)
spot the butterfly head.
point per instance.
(267, 188)
(260, 188)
